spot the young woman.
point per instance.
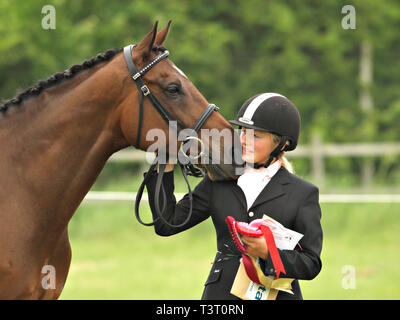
(270, 125)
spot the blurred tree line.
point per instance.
(231, 50)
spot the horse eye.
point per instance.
(173, 89)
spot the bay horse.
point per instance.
(55, 139)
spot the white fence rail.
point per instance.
(94, 197)
(317, 151)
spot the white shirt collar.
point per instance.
(253, 181)
(265, 173)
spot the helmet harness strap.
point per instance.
(274, 154)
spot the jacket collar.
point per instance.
(272, 190)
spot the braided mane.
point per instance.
(58, 78)
(61, 76)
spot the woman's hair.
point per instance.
(284, 161)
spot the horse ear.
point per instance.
(146, 44)
(162, 35)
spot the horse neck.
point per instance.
(62, 141)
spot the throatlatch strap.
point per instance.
(274, 154)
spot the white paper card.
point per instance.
(285, 239)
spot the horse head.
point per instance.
(163, 108)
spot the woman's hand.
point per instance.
(169, 166)
(256, 246)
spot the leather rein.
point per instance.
(187, 169)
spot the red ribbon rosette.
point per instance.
(256, 228)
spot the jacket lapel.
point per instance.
(273, 189)
(238, 192)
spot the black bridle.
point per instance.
(187, 169)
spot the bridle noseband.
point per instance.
(187, 169)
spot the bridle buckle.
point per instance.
(145, 90)
(135, 76)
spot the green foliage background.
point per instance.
(231, 50)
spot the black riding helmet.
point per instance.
(273, 113)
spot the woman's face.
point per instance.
(256, 145)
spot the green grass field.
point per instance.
(114, 257)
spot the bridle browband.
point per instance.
(187, 169)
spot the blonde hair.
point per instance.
(284, 161)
